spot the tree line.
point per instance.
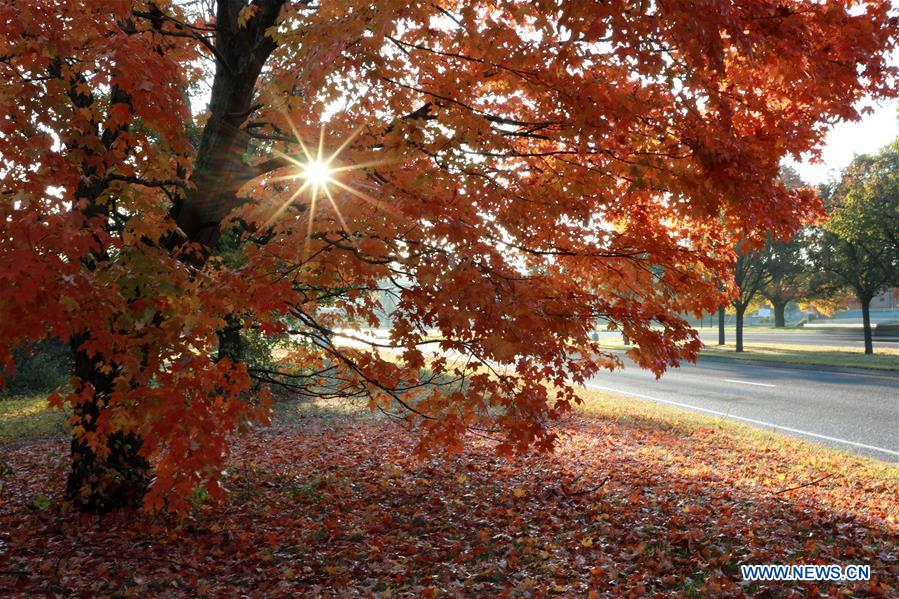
(853, 250)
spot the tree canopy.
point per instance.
(176, 179)
(858, 248)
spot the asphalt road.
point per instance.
(856, 412)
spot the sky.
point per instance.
(846, 139)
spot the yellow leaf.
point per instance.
(518, 492)
(586, 542)
(69, 302)
(246, 13)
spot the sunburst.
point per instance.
(321, 173)
(317, 173)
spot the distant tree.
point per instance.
(788, 275)
(750, 276)
(857, 248)
(786, 262)
(825, 304)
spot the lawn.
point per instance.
(28, 417)
(756, 329)
(638, 499)
(809, 355)
(817, 355)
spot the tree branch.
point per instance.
(148, 182)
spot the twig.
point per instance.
(591, 489)
(148, 182)
(151, 558)
(808, 484)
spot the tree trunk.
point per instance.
(231, 343)
(117, 476)
(740, 311)
(780, 319)
(100, 483)
(866, 321)
(219, 168)
(721, 325)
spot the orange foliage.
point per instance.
(516, 169)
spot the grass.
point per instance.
(814, 356)
(759, 329)
(28, 417)
(817, 355)
(628, 411)
(810, 355)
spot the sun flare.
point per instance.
(317, 173)
(321, 176)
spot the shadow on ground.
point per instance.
(332, 503)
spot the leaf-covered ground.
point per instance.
(636, 501)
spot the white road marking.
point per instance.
(750, 420)
(749, 383)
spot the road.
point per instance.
(851, 411)
(854, 411)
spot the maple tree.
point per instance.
(789, 276)
(511, 171)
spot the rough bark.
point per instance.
(866, 323)
(741, 310)
(231, 343)
(118, 478)
(219, 168)
(780, 317)
(721, 325)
